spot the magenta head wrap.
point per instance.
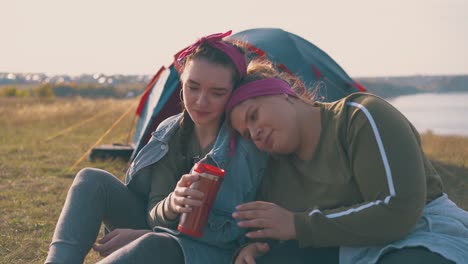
(215, 41)
(263, 87)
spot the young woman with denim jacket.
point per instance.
(155, 192)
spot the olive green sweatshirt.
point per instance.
(367, 182)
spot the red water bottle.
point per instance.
(192, 223)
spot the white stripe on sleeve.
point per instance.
(388, 172)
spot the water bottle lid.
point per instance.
(207, 168)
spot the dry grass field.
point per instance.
(35, 172)
(36, 160)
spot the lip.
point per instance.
(201, 113)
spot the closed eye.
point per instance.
(251, 118)
(192, 85)
(219, 91)
(253, 115)
(220, 94)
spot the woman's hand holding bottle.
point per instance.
(183, 198)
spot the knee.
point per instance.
(156, 240)
(418, 255)
(149, 238)
(91, 176)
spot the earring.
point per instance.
(181, 95)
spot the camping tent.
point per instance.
(290, 52)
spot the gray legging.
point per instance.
(150, 248)
(97, 196)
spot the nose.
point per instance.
(202, 99)
(256, 133)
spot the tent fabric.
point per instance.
(162, 102)
(148, 90)
(303, 59)
(288, 51)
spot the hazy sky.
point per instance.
(366, 37)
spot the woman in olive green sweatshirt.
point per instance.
(348, 175)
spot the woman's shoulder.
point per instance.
(364, 99)
(353, 112)
(370, 105)
(360, 110)
(170, 121)
(167, 126)
(357, 103)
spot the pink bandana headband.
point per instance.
(263, 87)
(215, 40)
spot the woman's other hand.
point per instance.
(117, 239)
(248, 254)
(269, 220)
(183, 198)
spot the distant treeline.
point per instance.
(396, 86)
(383, 86)
(86, 90)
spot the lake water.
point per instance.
(445, 114)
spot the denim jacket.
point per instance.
(243, 174)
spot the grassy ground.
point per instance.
(35, 173)
(450, 157)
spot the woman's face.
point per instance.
(269, 121)
(206, 88)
